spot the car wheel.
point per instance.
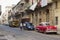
(36, 30)
(33, 29)
(55, 33)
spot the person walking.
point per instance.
(21, 26)
(24, 26)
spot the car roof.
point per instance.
(44, 23)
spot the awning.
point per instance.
(43, 3)
(33, 6)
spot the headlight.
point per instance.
(29, 27)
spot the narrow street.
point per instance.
(42, 15)
(16, 34)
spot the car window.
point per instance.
(31, 24)
(41, 24)
(44, 24)
(28, 24)
(47, 24)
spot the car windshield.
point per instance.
(29, 24)
(44, 24)
(47, 24)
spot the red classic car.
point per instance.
(46, 28)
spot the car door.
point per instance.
(41, 27)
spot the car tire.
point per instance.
(33, 29)
(55, 33)
(36, 30)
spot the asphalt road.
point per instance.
(27, 35)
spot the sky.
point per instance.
(5, 3)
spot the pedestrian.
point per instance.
(24, 25)
(21, 26)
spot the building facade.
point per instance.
(6, 14)
(56, 11)
(49, 13)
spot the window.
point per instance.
(27, 1)
(56, 4)
(40, 12)
(47, 10)
(47, 24)
(41, 24)
(56, 18)
(40, 20)
(22, 4)
(47, 15)
(36, 17)
(22, 14)
(32, 15)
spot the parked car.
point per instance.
(45, 27)
(28, 26)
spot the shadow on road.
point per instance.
(52, 34)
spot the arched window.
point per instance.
(40, 20)
(56, 19)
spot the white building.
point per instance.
(5, 14)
